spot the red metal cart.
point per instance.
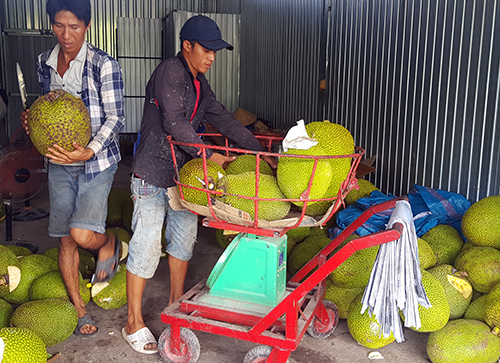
(279, 329)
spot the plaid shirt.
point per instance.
(102, 93)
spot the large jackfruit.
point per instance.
(476, 309)
(20, 345)
(58, 118)
(482, 265)
(481, 222)
(445, 241)
(294, 174)
(342, 297)
(87, 260)
(113, 294)
(248, 162)
(53, 320)
(365, 189)
(9, 266)
(244, 185)
(426, 255)
(192, 174)
(51, 285)
(6, 311)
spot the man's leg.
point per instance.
(69, 260)
(178, 272)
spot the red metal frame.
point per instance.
(284, 325)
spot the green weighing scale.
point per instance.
(250, 274)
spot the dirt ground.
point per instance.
(109, 346)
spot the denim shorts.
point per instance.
(151, 211)
(76, 202)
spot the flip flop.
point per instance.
(85, 320)
(139, 339)
(109, 266)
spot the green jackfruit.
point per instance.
(299, 233)
(51, 285)
(113, 294)
(8, 261)
(457, 289)
(482, 265)
(224, 238)
(365, 190)
(364, 328)
(244, 185)
(192, 175)
(6, 311)
(426, 255)
(463, 341)
(321, 240)
(87, 261)
(53, 320)
(19, 251)
(21, 345)
(117, 198)
(481, 222)
(32, 267)
(341, 297)
(445, 241)
(300, 255)
(248, 162)
(290, 245)
(60, 121)
(476, 309)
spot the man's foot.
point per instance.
(86, 327)
(107, 263)
(142, 341)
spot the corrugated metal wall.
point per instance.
(417, 83)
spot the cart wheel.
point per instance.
(258, 354)
(190, 347)
(317, 329)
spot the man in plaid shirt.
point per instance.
(80, 180)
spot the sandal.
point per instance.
(109, 266)
(85, 320)
(139, 339)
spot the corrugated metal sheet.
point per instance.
(417, 83)
(282, 62)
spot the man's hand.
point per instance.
(24, 120)
(221, 159)
(62, 156)
(271, 161)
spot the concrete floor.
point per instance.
(109, 346)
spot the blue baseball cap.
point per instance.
(205, 31)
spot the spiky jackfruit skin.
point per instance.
(445, 241)
(51, 285)
(248, 162)
(244, 185)
(299, 233)
(341, 297)
(53, 320)
(224, 239)
(6, 311)
(365, 189)
(7, 258)
(481, 222)
(117, 198)
(482, 265)
(32, 267)
(300, 255)
(21, 346)
(192, 174)
(426, 255)
(458, 301)
(476, 309)
(60, 121)
(364, 328)
(294, 174)
(87, 260)
(19, 251)
(114, 295)
(463, 341)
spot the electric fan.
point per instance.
(22, 176)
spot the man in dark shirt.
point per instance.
(178, 98)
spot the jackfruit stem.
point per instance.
(4, 280)
(495, 330)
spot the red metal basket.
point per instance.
(256, 226)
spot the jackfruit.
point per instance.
(224, 237)
(19, 251)
(320, 240)
(87, 260)
(123, 235)
(31, 266)
(299, 233)
(341, 297)
(61, 120)
(445, 241)
(51, 285)
(117, 198)
(482, 265)
(53, 320)
(365, 189)
(5, 313)
(20, 345)
(463, 341)
(294, 173)
(290, 245)
(113, 294)
(300, 255)
(435, 317)
(192, 175)
(244, 185)
(457, 289)
(248, 162)
(364, 328)
(8, 263)
(492, 312)
(476, 309)
(426, 255)
(481, 222)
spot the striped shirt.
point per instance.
(102, 93)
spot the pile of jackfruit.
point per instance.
(236, 185)
(35, 310)
(461, 279)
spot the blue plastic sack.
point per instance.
(430, 207)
